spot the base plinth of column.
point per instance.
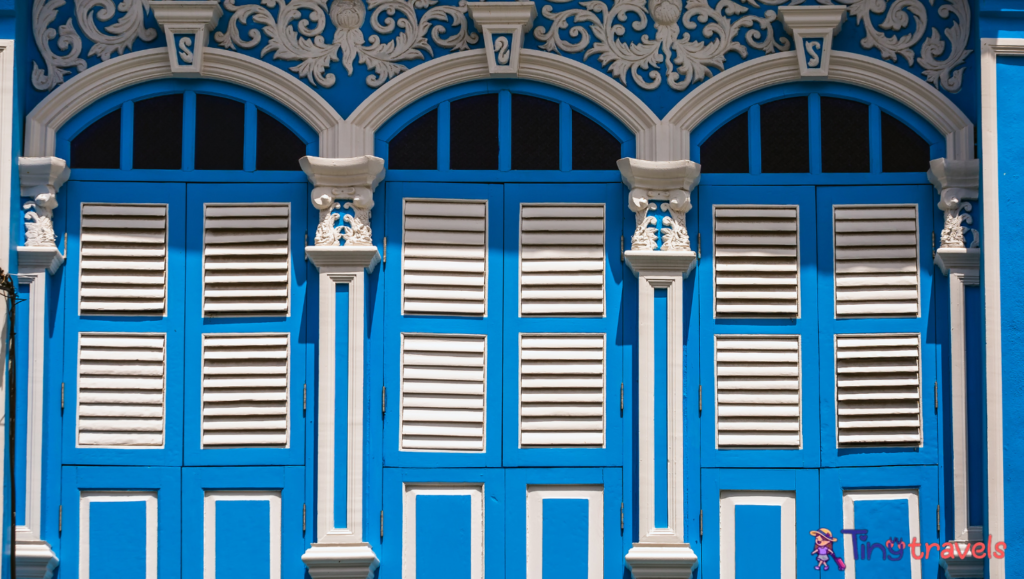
(34, 559)
(966, 568)
(340, 561)
(661, 561)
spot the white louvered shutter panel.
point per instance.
(876, 260)
(124, 259)
(562, 259)
(245, 260)
(444, 259)
(757, 261)
(245, 390)
(757, 382)
(443, 392)
(562, 390)
(878, 385)
(121, 389)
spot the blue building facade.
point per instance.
(425, 288)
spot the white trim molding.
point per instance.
(535, 497)
(89, 498)
(729, 542)
(340, 552)
(475, 492)
(134, 68)
(6, 143)
(995, 521)
(352, 180)
(850, 499)
(210, 500)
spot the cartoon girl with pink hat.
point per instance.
(823, 541)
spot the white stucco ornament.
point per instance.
(812, 28)
(956, 182)
(504, 26)
(352, 180)
(186, 25)
(41, 178)
(653, 181)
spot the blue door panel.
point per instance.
(121, 522)
(170, 325)
(243, 521)
(196, 325)
(882, 503)
(756, 523)
(443, 523)
(396, 324)
(609, 325)
(561, 522)
(805, 326)
(924, 325)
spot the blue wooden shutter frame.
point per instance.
(923, 197)
(171, 324)
(166, 481)
(196, 325)
(609, 324)
(806, 326)
(395, 323)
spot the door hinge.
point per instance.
(700, 398)
(622, 248)
(936, 396)
(698, 245)
(303, 517)
(305, 256)
(702, 522)
(933, 246)
(303, 397)
(60, 519)
(62, 397)
(384, 258)
(622, 516)
(622, 397)
(382, 524)
(383, 400)
(938, 518)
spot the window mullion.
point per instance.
(188, 135)
(127, 134)
(505, 131)
(444, 136)
(754, 138)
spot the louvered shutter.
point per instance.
(245, 390)
(562, 390)
(878, 389)
(757, 261)
(757, 380)
(121, 390)
(123, 259)
(444, 259)
(876, 257)
(443, 392)
(246, 260)
(562, 259)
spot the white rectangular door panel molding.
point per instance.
(876, 261)
(757, 391)
(272, 499)
(540, 496)
(121, 390)
(149, 506)
(561, 259)
(561, 390)
(458, 493)
(878, 389)
(757, 261)
(123, 259)
(246, 259)
(245, 390)
(733, 538)
(444, 257)
(443, 392)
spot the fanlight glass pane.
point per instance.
(415, 147)
(474, 133)
(157, 132)
(98, 146)
(593, 148)
(785, 136)
(845, 147)
(726, 150)
(220, 133)
(534, 133)
(277, 147)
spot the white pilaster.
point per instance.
(661, 552)
(339, 551)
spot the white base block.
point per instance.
(966, 568)
(340, 561)
(34, 560)
(661, 561)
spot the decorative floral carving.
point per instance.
(39, 220)
(357, 232)
(953, 229)
(296, 34)
(674, 236)
(44, 12)
(644, 238)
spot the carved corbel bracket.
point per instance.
(186, 24)
(504, 26)
(352, 180)
(650, 182)
(41, 178)
(812, 28)
(957, 183)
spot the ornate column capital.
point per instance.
(650, 182)
(41, 178)
(812, 28)
(957, 182)
(352, 180)
(186, 24)
(504, 26)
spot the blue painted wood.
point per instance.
(212, 176)
(886, 519)
(661, 357)
(196, 325)
(806, 326)
(565, 536)
(171, 325)
(195, 482)
(754, 139)
(493, 483)
(825, 179)
(514, 325)
(883, 521)
(243, 538)
(504, 130)
(249, 138)
(117, 529)
(564, 137)
(875, 138)
(444, 132)
(373, 368)
(341, 410)
(758, 541)
(127, 134)
(188, 137)
(923, 197)
(814, 126)
(443, 537)
(490, 325)
(714, 481)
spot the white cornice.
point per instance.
(661, 262)
(659, 175)
(346, 256)
(33, 259)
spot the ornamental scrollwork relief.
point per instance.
(357, 232)
(39, 220)
(297, 34)
(674, 236)
(644, 238)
